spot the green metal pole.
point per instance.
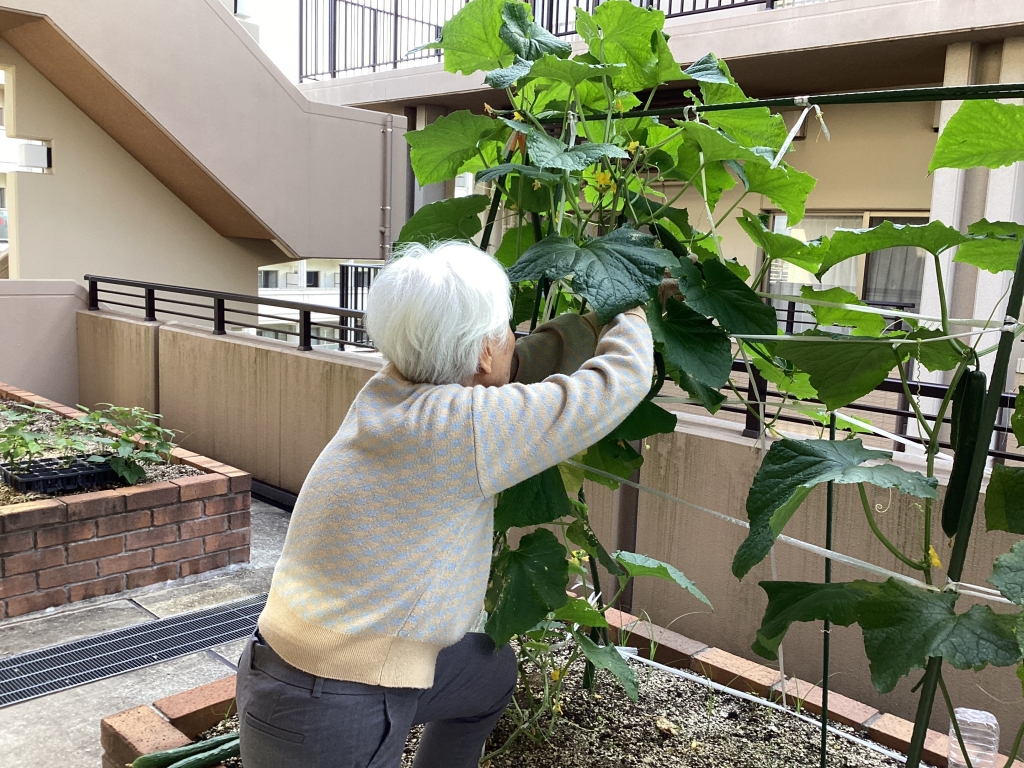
(827, 634)
(963, 533)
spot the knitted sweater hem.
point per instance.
(373, 659)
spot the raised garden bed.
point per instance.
(186, 517)
(675, 722)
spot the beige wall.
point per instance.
(118, 361)
(38, 346)
(100, 211)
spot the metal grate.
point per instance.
(48, 670)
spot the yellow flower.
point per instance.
(555, 674)
(632, 146)
(933, 556)
(612, 187)
(517, 116)
(556, 707)
(603, 178)
(488, 109)
(537, 184)
(620, 106)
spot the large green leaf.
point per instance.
(452, 145)
(614, 456)
(646, 419)
(796, 383)
(862, 323)
(903, 626)
(942, 355)
(641, 565)
(723, 90)
(613, 273)
(691, 343)
(725, 297)
(578, 611)
(708, 397)
(995, 249)
(571, 71)
(508, 76)
(582, 535)
(548, 152)
(605, 656)
(526, 37)
(471, 39)
(526, 585)
(934, 237)
(514, 244)
(707, 70)
(1004, 499)
(535, 501)
(714, 144)
(790, 601)
(626, 38)
(842, 369)
(785, 186)
(711, 183)
(754, 127)
(981, 133)
(529, 171)
(457, 218)
(1008, 574)
(1017, 418)
(777, 246)
(792, 468)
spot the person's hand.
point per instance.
(668, 289)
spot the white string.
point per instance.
(966, 589)
(862, 340)
(789, 139)
(864, 309)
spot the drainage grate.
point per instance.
(48, 670)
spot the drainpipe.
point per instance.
(389, 151)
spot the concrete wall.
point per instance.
(100, 211)
(118, 361)
(38, 346)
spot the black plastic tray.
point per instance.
(56, 476)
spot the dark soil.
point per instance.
(46, 422)
(675, 722)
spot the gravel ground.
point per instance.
(46, 422)
(674, 723)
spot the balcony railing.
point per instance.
(353, 37)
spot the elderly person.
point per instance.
(373, 622)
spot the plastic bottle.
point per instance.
(981, 737)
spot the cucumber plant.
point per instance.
(577, 165)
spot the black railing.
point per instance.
(223, 310)
(348, 37)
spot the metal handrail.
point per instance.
(220, 309)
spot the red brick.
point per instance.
(178, 513)
(230, 540)
(205, 527)
(66, 574)
(179, 551)
(238, 520)
(203, 564)
(95, 549)
(179, 455)
(149, 576)
(130, 521)
(86, 506)
(151, 537)
(201, 486)
(128, 562)
(107, 586)
(895, 732)
(33, 561)
(240, 481)
(734, 671)
(32, 514)
(15, 542)
(135, 732)
(840, 708)
(670, 647)
(240, 555)
(62, 534)
(204, 462)
(224, 504)
(17, 585)
(194, 711)
(37, 601)
(150, 495)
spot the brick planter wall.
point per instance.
(71, 548)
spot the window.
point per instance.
(313, 279)
(268, 278)
(894, 276)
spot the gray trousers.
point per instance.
(291, 718)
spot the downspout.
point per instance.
(385, 229)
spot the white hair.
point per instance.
(431, 311)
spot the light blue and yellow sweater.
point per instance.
(388, 550)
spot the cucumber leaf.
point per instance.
(526, 37)
(1004, 499)
(457, 218)
(606, 656)
(647, 419)
(995, 249)
(535, 501)
(471, 39)
(1008, 574)
(641, 565)
(452, 145)
(982, 132)
(862, 323)
(578, 611)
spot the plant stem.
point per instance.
(485, 239)
(881, 536)
(944, 310)
(1016, 745)
(910, 398)
(955, 722)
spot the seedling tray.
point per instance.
(56, 476)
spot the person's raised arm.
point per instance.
(560, 345)
(521, 429)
